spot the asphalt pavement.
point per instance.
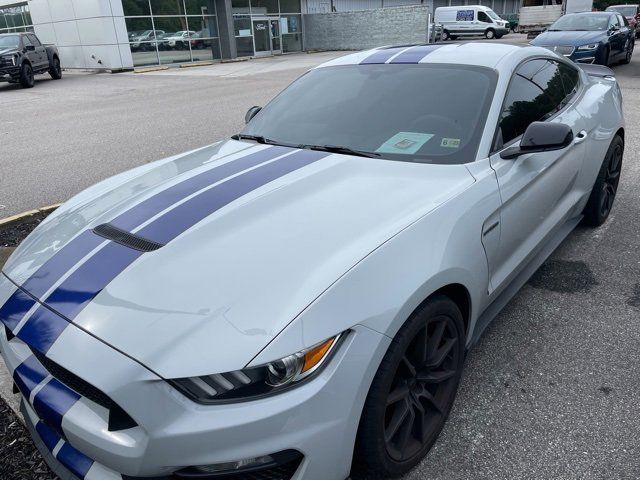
(551, 391)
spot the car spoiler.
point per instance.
(596, 70)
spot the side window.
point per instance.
(483, 17)
(623, 21)
(570, 80)
(26, 41)
(34, 40)
(613, 20)
(536, 92)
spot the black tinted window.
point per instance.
(34, 40)
(570, 80)
(420, 113)
(536, 92)
(25, 41)
(483, 17)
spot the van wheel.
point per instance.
(490, 33)
(445, 36)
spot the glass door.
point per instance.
(275, 36)
(262, 37)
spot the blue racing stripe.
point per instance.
(28, 375)
(187, 214)
(60, 263)
(42, 329)
(152, 206)
(15, 308)
(53, 401)
(48, 436)
(381, 56)
(415, 54)
(78, 463)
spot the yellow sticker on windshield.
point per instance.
(450, 142)
(405, 142)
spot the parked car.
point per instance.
(143, 41)
(299, 299)
(594, 37)
(179, 39)
(537, 15)
(631, 13)
(470, 20)
(22, 55)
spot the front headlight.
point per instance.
(591, 46)
(9, 59)
(255, 382)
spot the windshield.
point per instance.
(581, 23)
(492, 14)
(428, 113)
(9, 41)
(626, 11)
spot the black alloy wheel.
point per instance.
(412, 392)
(628, 52)
(56, 70)
(27, 79)
(604, 191)
(423, 386)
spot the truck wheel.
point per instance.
(490, 33)
(55, 70)
(444, 36)
(26, 76)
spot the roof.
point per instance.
(473, 53)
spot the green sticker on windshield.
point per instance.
(405, 142)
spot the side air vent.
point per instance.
(125, 238)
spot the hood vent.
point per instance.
(108, 231)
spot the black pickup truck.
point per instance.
(22, 56)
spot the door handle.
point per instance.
(580, 137)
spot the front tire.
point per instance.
(628, 53)
(604, 190)
(26, 76)
(413, 391)
(55, 70)
(490, 33)
(444, 36)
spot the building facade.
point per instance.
(122, 34)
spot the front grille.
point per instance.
(74, 382)
(566, 50)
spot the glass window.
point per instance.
(26, 41)
(240, 6)
(244, 45)
(290, 24)
(170, 24)
(199, 7)
(483, 17)
(419, 113)
(204, 26)
(291, 43)
(10, 41)
(137, 27)
(263, 7)
(574, 21)
(242, 26)
(134, 8)
(167, 7)
(536, 92)
(570, 80)
(290, 6)
(498, 6)
(34, 40)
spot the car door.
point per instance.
(30, 52)
(484, 21)
(537, 189)
(464, 20)
(40, 51)
(616, 36)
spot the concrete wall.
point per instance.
(365, 29)
(88, 33)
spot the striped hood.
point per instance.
(193, 264)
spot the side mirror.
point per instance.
(541, 137)
(252, 112)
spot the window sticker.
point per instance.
(464, 16)
(405, 142)
(450, 142)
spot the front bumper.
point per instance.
(586, 56)
(9, 73)
(319, 419)
(502, 30)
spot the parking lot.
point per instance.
(552, 390)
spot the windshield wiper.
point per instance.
(340, 149)
(255, 138)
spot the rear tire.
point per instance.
(412, 392)
(26, 76)
(628, 53)
(490, 33)
(604, 190)
(444, 36)
(55, 70)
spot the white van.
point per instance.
(470, 20)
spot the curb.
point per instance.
(24, 216)
(150, 69)
(196, 64)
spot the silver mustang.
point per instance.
(296, 302)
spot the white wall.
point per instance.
(89, 33)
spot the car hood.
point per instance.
(568, 38)
(8, 51)
(226, 282)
